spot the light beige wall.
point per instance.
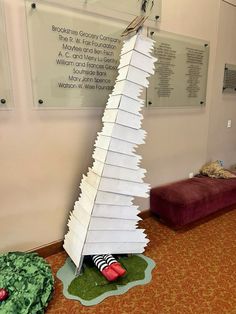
(177, 138)
(222, 140)
(43, 154)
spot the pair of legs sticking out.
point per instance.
(108, 266)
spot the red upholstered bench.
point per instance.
(186, 201)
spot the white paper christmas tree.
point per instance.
(104, 219)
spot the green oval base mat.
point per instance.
(91, 288)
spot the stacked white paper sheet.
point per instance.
(115, 185)
(138, 60)
(115, 211)
(112, 224)
(117, 236)
(114, 248)
(114, 158)
(122, 132)
(123, 117)
(139, 43)
(117, 172)
(127, 88)
(113, 199)
(104, 219)
(115, 145)
(134, 75)
(125, 103)
(74, 247)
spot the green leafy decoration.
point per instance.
(29, 281)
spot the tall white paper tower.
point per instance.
(104, 219)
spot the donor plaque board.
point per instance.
(125, 9)
(181, 71)
(128, 7)
(229, 78)
(73, 55)
(5, 77)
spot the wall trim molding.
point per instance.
(49, 249)
(57, 246)
(145, 214)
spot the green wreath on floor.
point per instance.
(29, 281)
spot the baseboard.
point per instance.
(49, 249)
(57, 246)
(145, 214)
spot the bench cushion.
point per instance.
(186, 201)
